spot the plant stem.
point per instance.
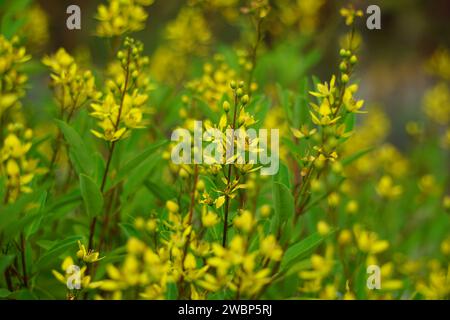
(253, 53)
(186, 245)
(227, 196)
(24, 264)
(194, 186)
(111, 149)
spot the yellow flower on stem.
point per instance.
(350, 13)
(88, 256)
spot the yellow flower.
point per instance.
(270, 249)
(151, 225)
(135, 246)
(323, 228)
(172, 206)
(445, 247)
(304, 132)
(438, 286)
(244, 221)
(121, 16)
(219, 201)
(14, 148)
(436, 103)
(350, 103)
(209, 219)
(350, 14)
(345, 237)
(326, 90)
(333, 199)
(189, 20)
(84, 281)
(439, 63)
(352, 207)
(123, 105)
(321, 266)
(265, 211)
(386, 188)
(72, 86)
(20, 170)
(12, 57)
(88, 256)
(369, 242)
(446, 202)
(324, 114)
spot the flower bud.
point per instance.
(245, 99)
(172, 206)
(226, 106)
(265, 211)
(345, 78)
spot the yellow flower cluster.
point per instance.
(65, 277)
(120, 17)
(436, 103)
(178, 49)
(72, 86)
(350, 13)
(16, 165)
(75, 276)
(36, 29)
(123, 105)
(301, 13)
(239, 270)
(439, 64)
(200, 36)
(12, 86)
(214, 83)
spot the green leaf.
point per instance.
(4, 293)
(92, 196)
(301, 106)
(172, 291)
(206, 110)
(58, 248)
(283, 176)
(77, 149)
(11, 211)
(5, 261)
(137, 177)
(12, 218)
(14, 18)
(161, 191)
(23, 294)
(283, 201)
(348, 160)
(284, 208)
(300, 250)
(129, 230)
(283, 96)
(35, 224)
(293, 148)
(350, 120)
(71, 198)
(132, 164)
